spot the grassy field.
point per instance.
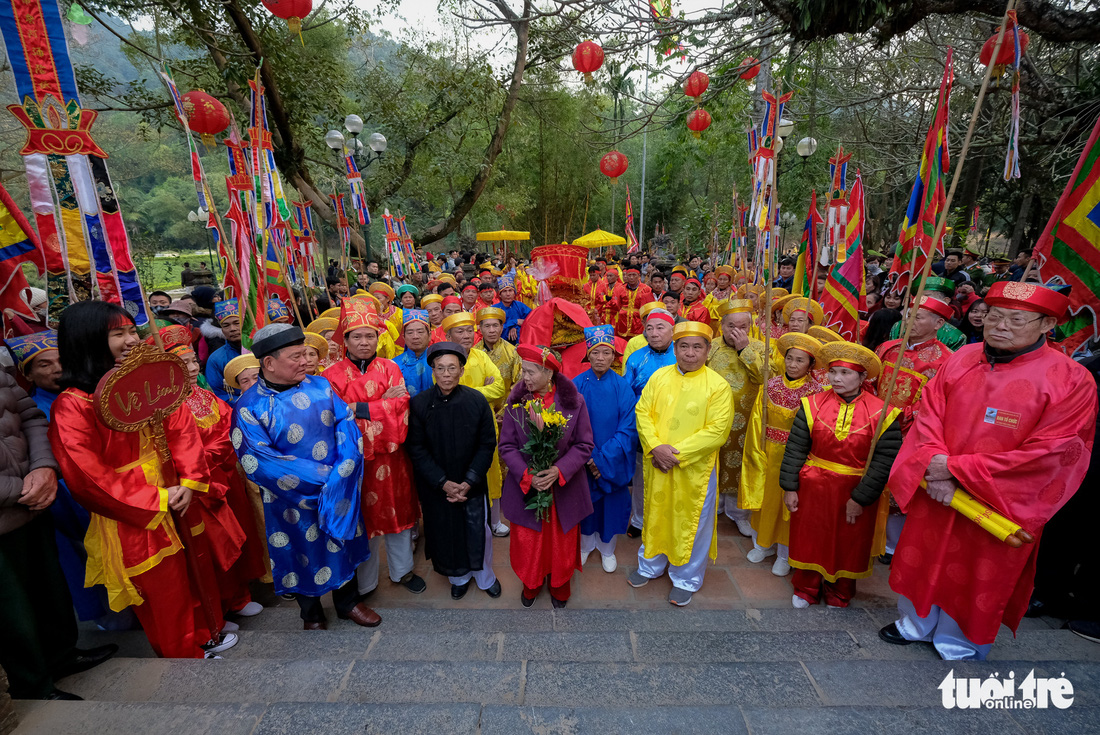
(164, 273)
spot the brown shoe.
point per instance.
(363, 615)
(321, 625)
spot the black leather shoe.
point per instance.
(1035, 608)
(885, 559)
(83, 660)
(414, 583)
(64, 696)
(458, 591)
(633, 532)
(557, 603)
(890, 634)
(527, 602)
(495, 590)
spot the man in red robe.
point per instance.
(375, 390)
(921, 360)
(1010, 421)
(593, 292)
(612, 295)
(691, 303)
(628, 302)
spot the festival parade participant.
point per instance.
(611, 467)
(515, 311)
(227, 316)
(316, 353)
(490, 323)
(452, 441)
(629, 300)
(692, 308)
(684, 417)
(1011, 422)
(545, 543)
(830, 490)
(416, 332)
(374, 390)
(638, 369)
(479, 373)
(134, 548)
(311, 504)
(760, 470)
(739, 359)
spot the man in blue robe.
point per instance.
(515, 311)
(639, 368)
(300, 444)
(611, 467)
(417, 332)
(227, 316)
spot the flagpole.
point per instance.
(641, 206)
(941, 223)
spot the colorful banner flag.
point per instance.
(631, 238)
(804, 281)
(836, 212)
(846, 286)
(355, 183)
(1069, 248)
(764, 174)
(928, 197)
(72, 196)
(974, 220)
(393, 245)
(1012, 156)
(18, 245)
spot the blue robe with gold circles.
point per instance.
(304, 450)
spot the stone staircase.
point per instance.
(463, 670)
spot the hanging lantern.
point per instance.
(205, 115)
(1007, 56)
(613, 165)
(698, 121)
(750, 67)
(292, 11)
(587, 59)
(696, 84)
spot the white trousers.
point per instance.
(687, 576)
(589, 542)
(729, 504)
(939, 629)
(399, 559)
(485, 577)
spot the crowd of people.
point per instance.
(406, 411)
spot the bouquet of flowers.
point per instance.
(544, 428)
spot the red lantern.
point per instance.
(1007, 56)
(750, 68)
(696, 84)
(613, 165)
(205, 115)
(587, 59)
(292, 11)
(698, 121)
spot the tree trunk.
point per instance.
(1021, 221)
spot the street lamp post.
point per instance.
(377, 143)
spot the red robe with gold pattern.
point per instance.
(133, 547)
(228, 496)
(695, 312)
(388, 498)
(594, 294)
(1018, 437)
(628, 303)
(918, 365)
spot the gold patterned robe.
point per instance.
(745, 374)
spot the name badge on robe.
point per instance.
(1001, 417)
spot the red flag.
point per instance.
(18, 244)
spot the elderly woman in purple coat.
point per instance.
(549, 548)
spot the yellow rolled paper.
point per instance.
(987, 518)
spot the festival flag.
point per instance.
(836, 210)
(355, 183)
(804, 281)
(343, 225)
(18, 245)
(764, 178)
(846, 286)
(1069, 248)
(928, 197)
(631, 238)
(407, 249)
(974, 221)
(743, 244)
(393, 245)
(1012, 157)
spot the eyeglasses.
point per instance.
(447, 369)
(1016, 321)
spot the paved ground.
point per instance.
(739, 659)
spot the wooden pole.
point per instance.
(941, 223)
(768, 268)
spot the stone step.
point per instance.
(282, 718)
(549, 682)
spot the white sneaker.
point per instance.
(799, 603)
(252, 608)
(610, 563)
(228, 640)
(584, 556)
(211, 656)
(757, 555)
(781, 567)
(500, 530)
(230, 627)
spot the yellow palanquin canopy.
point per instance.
(498, 235)
(599, 239)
